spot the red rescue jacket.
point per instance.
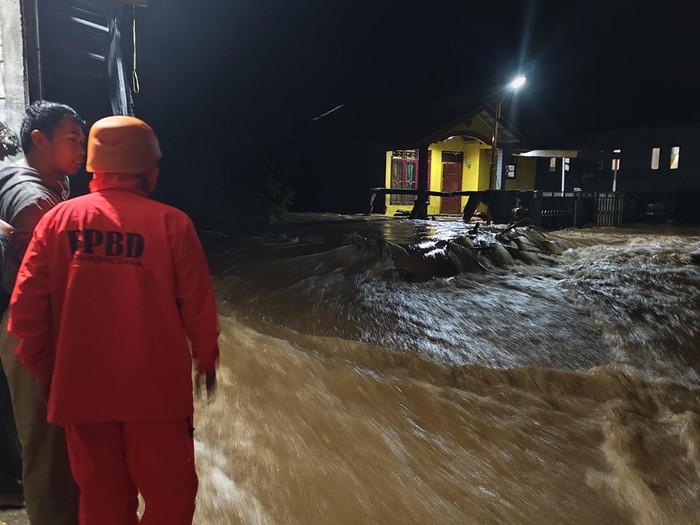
(111, 286)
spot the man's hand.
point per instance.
(44, 390)
(6, 228)
(209, 380)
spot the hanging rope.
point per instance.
(136, 87)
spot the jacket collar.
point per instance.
(118, 181)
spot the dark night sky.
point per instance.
(590, 64)
(222, 80)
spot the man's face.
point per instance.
(66, 147)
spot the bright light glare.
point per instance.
(518, 82)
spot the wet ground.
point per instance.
(13, 517)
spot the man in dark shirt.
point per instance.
(10, 464)
(53, 141)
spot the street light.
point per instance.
(518, 82)
(514, 85)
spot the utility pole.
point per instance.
(494, 145)
(515, 84)
(615, 166)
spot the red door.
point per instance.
(451, 181)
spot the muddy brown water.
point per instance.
(561, 392)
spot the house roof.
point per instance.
(571, 154)
(402, 122)
(478, 123)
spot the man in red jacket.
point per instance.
(111, 287)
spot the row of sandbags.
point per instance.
(474, 253)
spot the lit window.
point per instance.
(675, 157)
(553, 164)
(616, 162)
(655, 156)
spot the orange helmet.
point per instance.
(122, 144)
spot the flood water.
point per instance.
(562, 391)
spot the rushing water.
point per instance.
(562, 391)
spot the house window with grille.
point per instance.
(404, 174)
(675, 157)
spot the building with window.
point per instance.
(458, 160)
(651, 159)
(403, 142)
(641, 160)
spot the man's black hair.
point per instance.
(45, 116)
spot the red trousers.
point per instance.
(113, 462)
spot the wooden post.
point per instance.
(536, 208)
(420, 208)
(30, 25)
(470, 207)
(493, 178)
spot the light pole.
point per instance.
(514, 85)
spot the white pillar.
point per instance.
(14, 93)
(499, 169)
(563, 174)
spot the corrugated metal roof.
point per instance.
(74, 35)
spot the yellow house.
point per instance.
(459, 160)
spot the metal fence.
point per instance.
(557, 210)
(616, 209)
(548, 210)
(554, 211)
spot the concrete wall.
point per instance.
(525, 170)
(13, 80)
